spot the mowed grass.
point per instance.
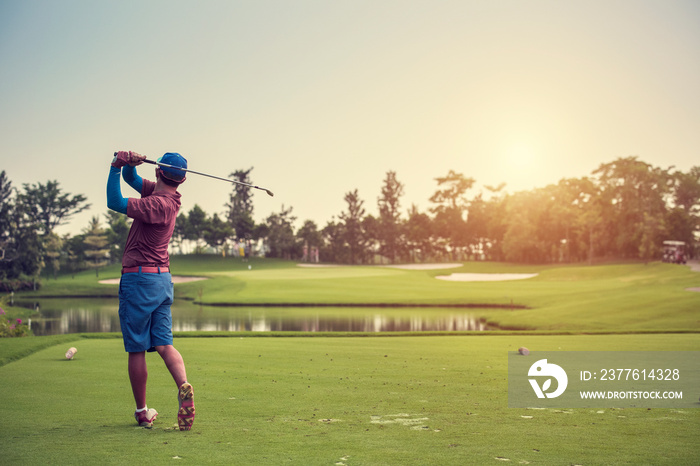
(365, 400)
(620, 297)
(352, 401)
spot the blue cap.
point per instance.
(176, 160)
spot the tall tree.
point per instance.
(653, 230)
(389, 203)
(96, 250)
(451, 231)
(334, 248)
(352, 223)
(21, 248)
(449, 209)
(629, 189)
(197, 224)
(524, 240)
(217, 232)
(240, 205)
(477, 226)
(683, 218)
(496, 218)
(450, 194)
(49, 205)
(53, 248)
(6, 207)
(579, 210)
(73, 249)
(280, 238)
(181, 230)
(117, 233)
(371, 233)
(419, 235)
(686, 190)
(310, 237)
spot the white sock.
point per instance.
(142, 409)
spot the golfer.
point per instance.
(146, 288)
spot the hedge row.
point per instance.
(18, 284)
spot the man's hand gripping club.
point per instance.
(124, 157)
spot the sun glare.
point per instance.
(520, 156)
(521, 166)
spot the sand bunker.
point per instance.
(423, 266)
(176, 279)
(401, 266)
(485, 277)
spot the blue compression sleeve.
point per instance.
(115, 200)
(132, 178)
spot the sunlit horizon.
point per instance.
(323, 98)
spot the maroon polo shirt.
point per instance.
(154, 221)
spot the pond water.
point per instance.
(59, 316)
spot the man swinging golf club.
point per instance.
(146, 288)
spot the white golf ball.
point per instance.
(71, 352)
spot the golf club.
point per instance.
(269, 193)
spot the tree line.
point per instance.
(624, 209)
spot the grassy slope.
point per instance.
(13, 349)
(409, 400)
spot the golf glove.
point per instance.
(123, 157)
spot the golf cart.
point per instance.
(674, 252)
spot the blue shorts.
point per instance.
(144, 310)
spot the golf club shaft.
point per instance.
(210, 176)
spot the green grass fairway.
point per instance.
(352, 401)
(623, 297)
(373, 399)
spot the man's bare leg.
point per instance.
(138, 376)
(185, 394)
(174, 362)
